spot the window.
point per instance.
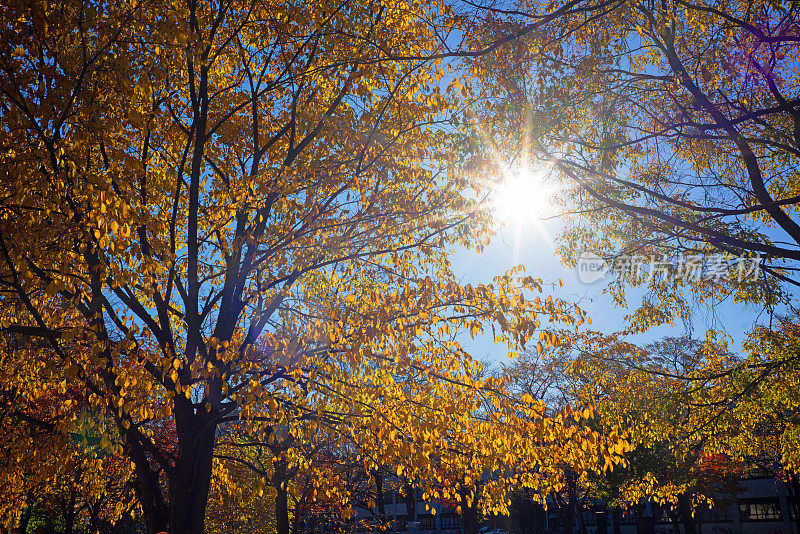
(451, 521)
(427, 522)
(756, 469)
(794, 508)
(760, 510)
(721, 513)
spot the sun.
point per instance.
(524, 194)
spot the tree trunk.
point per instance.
(380, 499)
(147, 488)
(685, 510)
(191, 478)
(69, 512)
(280, 480)
(470, 513)
(581, 520)
(94, 516)
(282, 509)
(574, 504)
(411, 503)
(566, 512)
(470, 520)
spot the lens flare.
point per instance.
(523, 195)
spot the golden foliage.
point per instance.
(235, 218)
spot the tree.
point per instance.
(56, 483)
(763, 404)
(675, 460)
(550, 375)
(54, 466)
(762, 391)
(676, 456)
(238, 213)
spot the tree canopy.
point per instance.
(224, 230)
(673, 126)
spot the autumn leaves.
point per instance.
(225, 229)
(226, 225)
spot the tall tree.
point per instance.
(763, 397)
(673, 428)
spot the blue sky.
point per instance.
(530, 244)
